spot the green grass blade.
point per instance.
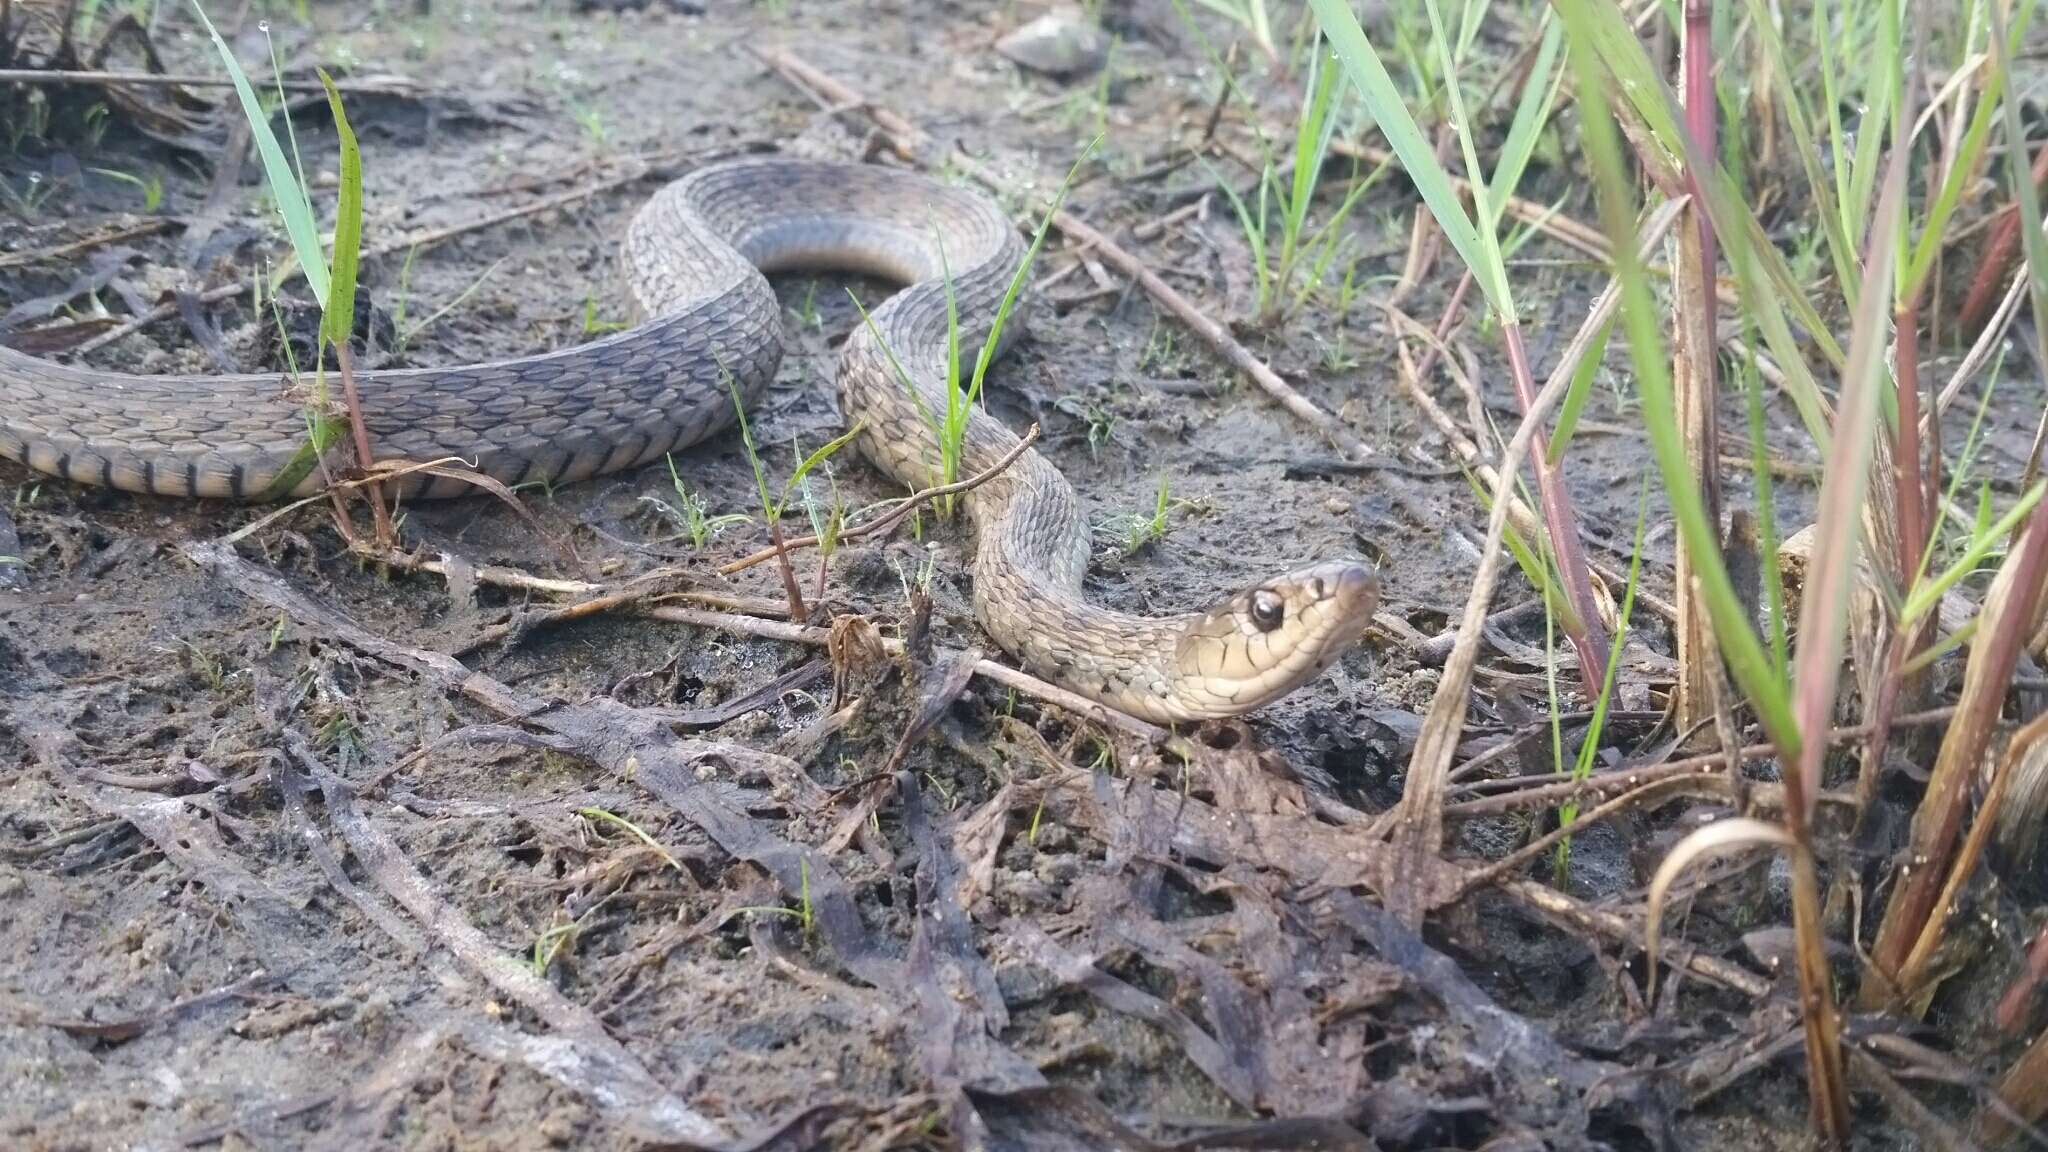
(1847, 269)
(1926, 595)
(1886, 76)
(1494, 268)
(1418, 158)
(957, 406)
(1960, 173)
(1831, 99)
(902, 374)
(1539, 96)
(818, 457)
(339, 321)
(768, 509)
(2024, 193)
(1767, 278)
(1581, 390)
(1766, 516)
(1023, 273)
(285, 188)
(322, 434)
(1745, 655)
(1254, 234)
(1312, 141)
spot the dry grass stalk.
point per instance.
(2024, 1089)
(1700, 690)
(1938, 822)
(1415, 825)
(1914, 974)
(1693, 323)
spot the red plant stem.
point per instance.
(1931, 483)
(1996, 263)
(1906, 453)
(345, 362)
(797, 611)
(1589, 636)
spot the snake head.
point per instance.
(1268, 640)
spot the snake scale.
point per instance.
(697, 256)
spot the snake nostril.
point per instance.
(1315, 587)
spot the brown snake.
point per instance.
(697, 255)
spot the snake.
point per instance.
(706, 335)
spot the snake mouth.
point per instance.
(1268, 640)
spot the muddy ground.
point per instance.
(264, 884)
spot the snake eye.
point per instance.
(1267, 610)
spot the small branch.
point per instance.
(1549, 791)
(795, 595)
(516, 580)
(87, 244)
(389, 86)
(1588, 919)
(1644, 794)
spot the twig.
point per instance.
(897, 515)
(1558, 788)
(87, 244)
(385, 86)
(1585, 918)
(911, 143)
(516, 580)
(1643, 794)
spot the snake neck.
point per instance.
(1032, 535)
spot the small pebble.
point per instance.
(1061, 43)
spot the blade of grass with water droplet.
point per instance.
(285, 189)
(1418, 158)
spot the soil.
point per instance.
(263, 885)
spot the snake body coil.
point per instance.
(696, 255)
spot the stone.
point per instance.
(1063, 43)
